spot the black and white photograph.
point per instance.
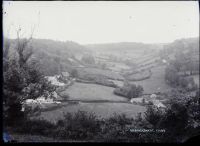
(100, 71)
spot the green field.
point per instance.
(96, 71)
(156, 83)
(101, 110)
(82, 91)
(94, 98)
(97, 99)
(139, 76)
(118, 83)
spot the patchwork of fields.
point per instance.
(96, 71)
(100, 99)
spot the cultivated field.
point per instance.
(96, 71)
(139, 76)
(82, 91)
(156, 83)
(118, 83)
(101, 110)
(115, 66)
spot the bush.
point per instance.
(80, 126)
(153, 115)
(37, 127)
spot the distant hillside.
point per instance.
(54, 56)
(124, 45)
(189, 46)
(183, 55)
(57, 56)
(69, 47)
(125, 50)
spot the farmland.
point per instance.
(156, 83)
(81, 91)
(93, 97)
(96, 71)
(102, 110)
(100, 99)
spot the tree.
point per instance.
(6, 48)
(74, 73)
(171, 75)
(88, 59)
(59, 66)
(22, 80)
(134, 91)
(24, 51)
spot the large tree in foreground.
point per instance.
(21, 79)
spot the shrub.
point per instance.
(153, 115)
(38, 127)
(81, 126)
(116, 129)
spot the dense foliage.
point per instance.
(174, 79)
(183, 61)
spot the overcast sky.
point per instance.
(102, 22)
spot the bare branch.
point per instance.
(22, 45)
(6, 48)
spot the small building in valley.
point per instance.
(65, 75)
(153, 96)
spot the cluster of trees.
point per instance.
(185, 62)
(88, 59)
(74, 73)
(129, 91)
(21, 80)
(184, 55)
(102, 65)
(174, 79)
(180, 119)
